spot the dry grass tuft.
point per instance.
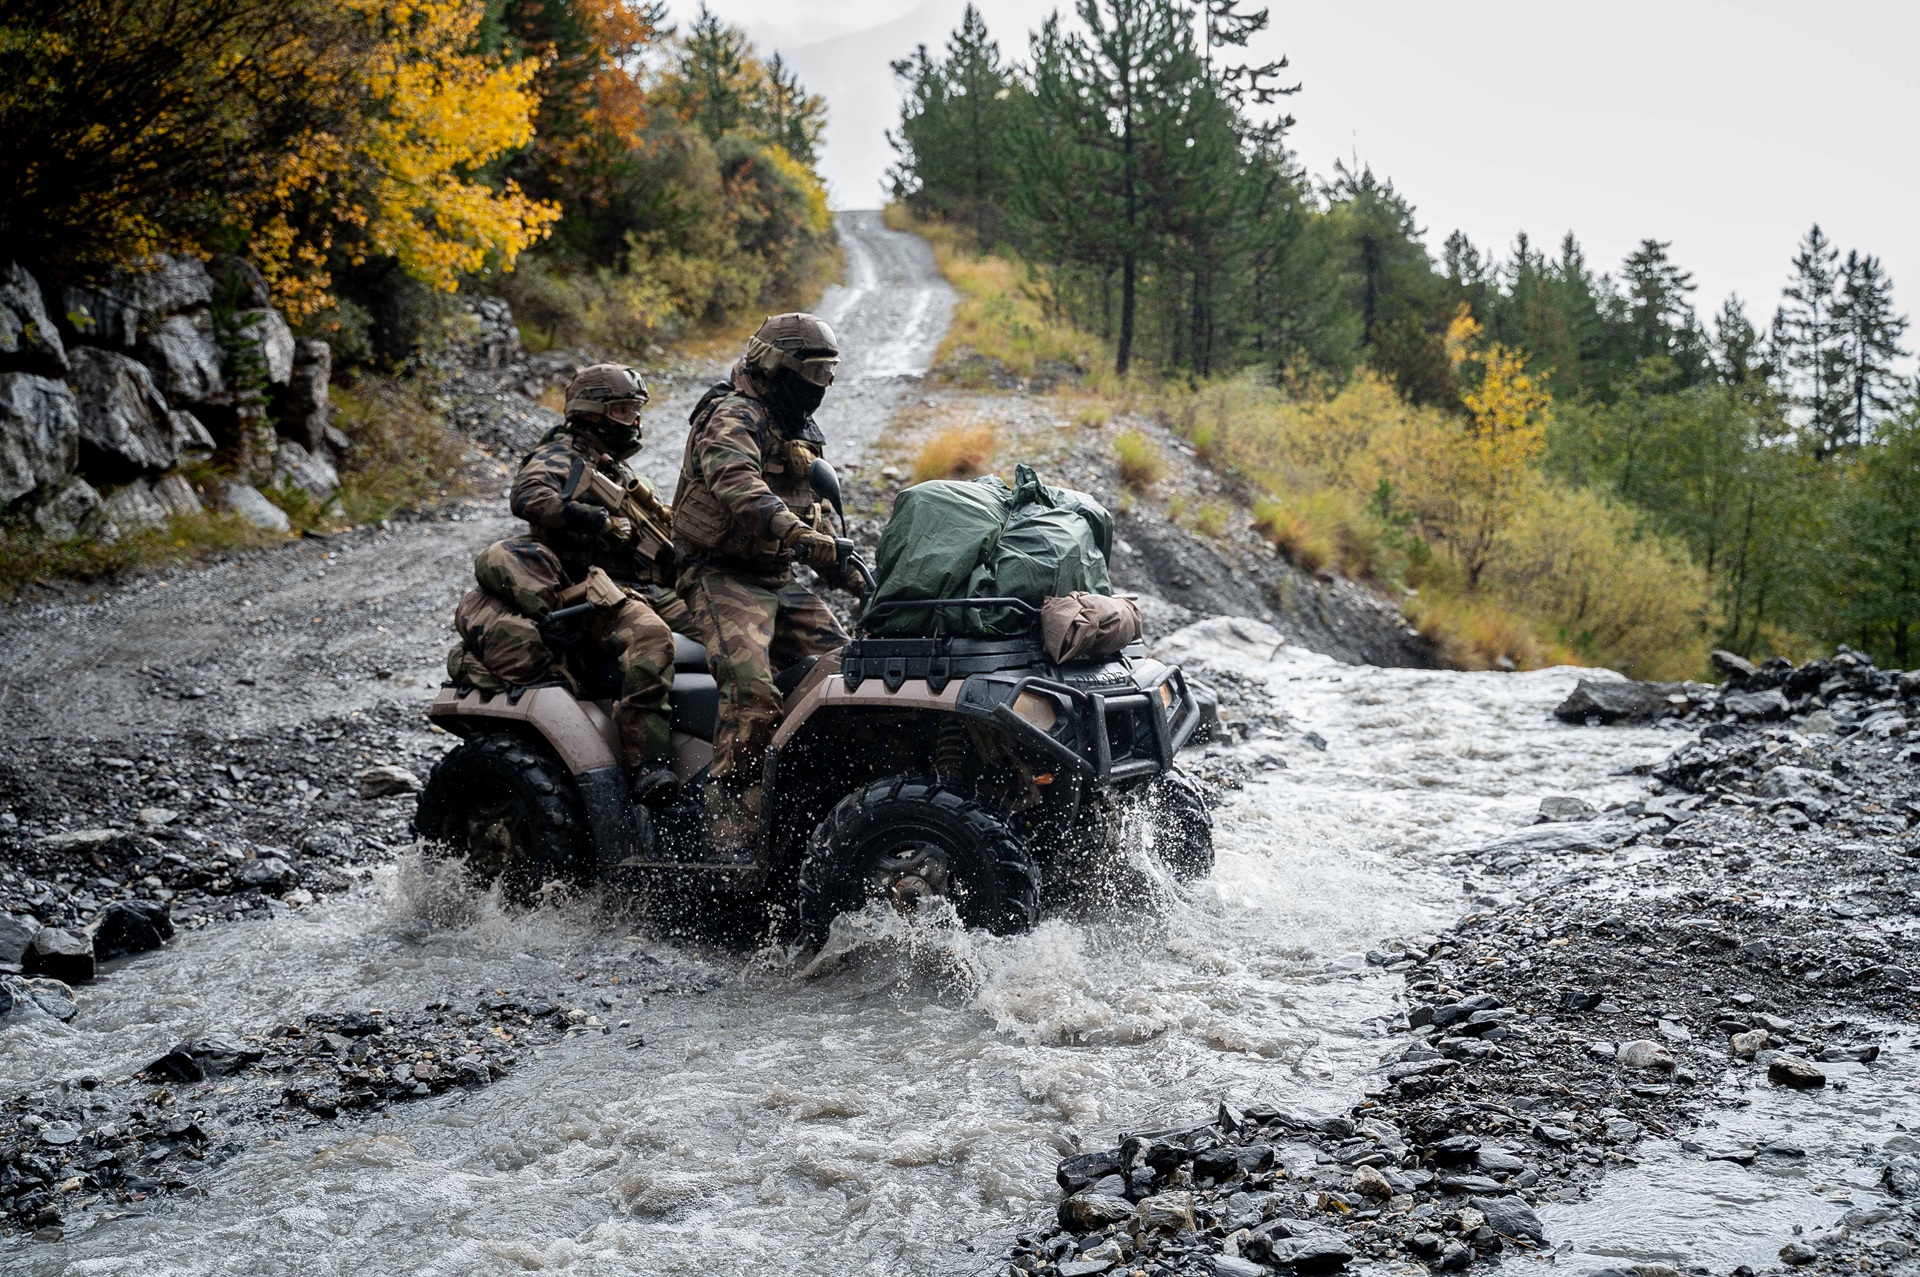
(1141, 463)
(964, 451)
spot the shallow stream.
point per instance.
(899, 1110)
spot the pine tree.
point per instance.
(786, 114)
(716, 81)
(1657, 320)
(1806, 338)
(1869, 338)
(1739, 355)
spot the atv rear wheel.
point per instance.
(511, 810)
(910, 840)
(1182, 825)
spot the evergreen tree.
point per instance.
(1656, 319)
(1869, 338)
(716, 84)
(955, 134)
(1810, 359)
(785, 114)
(1390, 284)
(1883, 576)
(1739, 355)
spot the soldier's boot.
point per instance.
(733, 823)
(653, 784)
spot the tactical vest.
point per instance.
(702, 520)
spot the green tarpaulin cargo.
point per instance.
(974, 539)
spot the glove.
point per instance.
(618, 530)
(817, 548)
(601, 591)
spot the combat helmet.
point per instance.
(606, 399)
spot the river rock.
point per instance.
(1371, 1183)
(16, 933)
(1902, 1178)
(1791, 1070)
(267, 328)
(29, 340)
(1084, 1212)
(1789, 782)
(219, 1056)
(39, 434)
(1797, 1254)
(1315, 1252)
(22, 997)
(1614, 701)
(1082, 1169)
(310, 473)
(1757, 707)
(1227, 1266)
(1511, 1217)
(59, 953)
(1731, 665)
(1557, 839)
(1558, 807)
(130, 926)
(387, 781)
(185, 359)
(1644, 1054)
(265, 873)
(132, 506)
(125, 424)
(1749, 1044)
(1164, 1212)
(249, 504)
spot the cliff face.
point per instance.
(110, 394)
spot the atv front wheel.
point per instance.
(1182, 825)
(910, 840)
(510, 809)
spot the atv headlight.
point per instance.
(1036, 709)
(1166, 696)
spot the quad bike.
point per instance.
(903, 768)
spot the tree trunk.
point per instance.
(1123, 351)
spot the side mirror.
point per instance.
(826, 484)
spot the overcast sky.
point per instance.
(1725, 126)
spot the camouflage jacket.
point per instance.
(744, 484)
(545, 494)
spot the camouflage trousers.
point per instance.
(752, 629)
(520, 581)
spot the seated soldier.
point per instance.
(578, 549)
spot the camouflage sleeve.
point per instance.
(537, 489)
(728, 454)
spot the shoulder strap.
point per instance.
(708, 402)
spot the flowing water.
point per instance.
(896, 1108)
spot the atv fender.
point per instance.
(579, 732)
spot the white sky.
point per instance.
(1725, 126)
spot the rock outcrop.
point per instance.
(104, 397)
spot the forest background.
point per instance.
(1551, 459)
(618, 180)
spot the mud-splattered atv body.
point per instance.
(903, 768)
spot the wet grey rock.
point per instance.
(1511, 1217)
(309, 473)
(74, 510)
(387, 782)
(1084, 1212)
(1559, 807)
(130, 926)
(1731, 664)
(265, 873)
(1615, 701)
(29, 340)
(133, 506)
(1798, 1254)
(1313, 1253)
(1768, 706)
(1644, 1054)
(1792, 1071)
(1902, 1178)
(1426, 1245)
(177, 1065)
(249, 504)
(23, 997)
(268, 329)
(57, 952)
(1560, 839)
(1749, 1044)
(1499, 1162)
(220, 1056)
(1791, 783)
(185, 359)
(39, 434)
(1082, 1169)
(126, 427)
(1228, 1266)
(16, 933)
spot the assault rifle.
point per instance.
(651, 517)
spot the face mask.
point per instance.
(617, 439)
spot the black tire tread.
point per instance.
(485, 764)
(1015, 877)
(1181, 819)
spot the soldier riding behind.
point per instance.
(743, 514)
(596, 533)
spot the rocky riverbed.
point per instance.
(1622, 975)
